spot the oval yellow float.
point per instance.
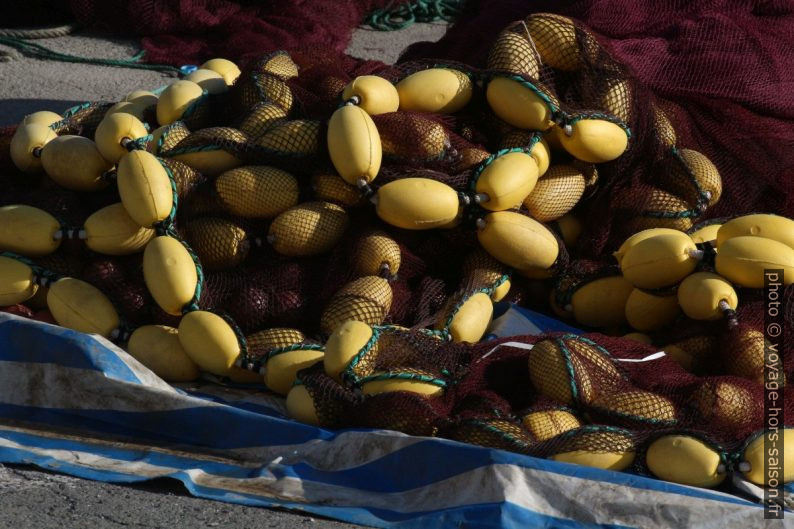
(354, 144)
(158, 348)
(75, 162)
(78, 305)
(111, 231)
(437, 90)
(209, 341)
(145, 188)
(417, 203)
(170, 274)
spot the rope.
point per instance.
(395, 17)
(38, 33)
(31, 33)
(40, 52)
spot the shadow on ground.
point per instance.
(13, 110)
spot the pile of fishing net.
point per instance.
(340, 230)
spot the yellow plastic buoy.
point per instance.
(743, 260)
(547, 424)
(377, 253)
(649, 311)
(518, 105)
(417, 203)
(641, 236)
(42, 117)
(437, 90)
(639, 404)
(112, 231)
(660, 261)
(136, 110)
(281, 65)
(209, 341)
(617, 99)
(570, 228)
(514, 53)
(208, 80)
(367, 299)
(726, 403)
(298, 136)
(706, 296)
(549, 374)
(113, 131)
(686, 460)
(27, 143)
(376, 94)
(331, 187)
(301, 407)
(775, 227)
(143, 98)
(618, 457)
(518, 241)
(471, 319)
(602, 302)
(262, 117)
(170, 274)
(218, 243)
(762, 469)
(282, 368)
(28, 231)
(176, 99)
(638, 337)
(226, 68)
(433, 136)
(706, 234)
(310, 228)
(257, 191)
(507, 181)
(78, 305)
(706, 175)
(144, 187)
(554, 37)
(354, 144)
(346, 341)
(595, 140)
(17, 283)
(663, 127)
(75, 162)
(158, 348)
(556, 193)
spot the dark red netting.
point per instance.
(717, 67)
(177, 32)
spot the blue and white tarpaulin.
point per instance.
(77, 404)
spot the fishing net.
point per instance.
(242, 160)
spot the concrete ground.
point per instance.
(30, 498)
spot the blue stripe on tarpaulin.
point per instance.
(483, 516)
(213, 422)
(503, 514)
(458, 458)
(231, 427)
(22, 342)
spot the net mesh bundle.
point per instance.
(269, 118)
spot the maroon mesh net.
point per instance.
(191, 32)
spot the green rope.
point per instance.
(38, 51)
(395, 17)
